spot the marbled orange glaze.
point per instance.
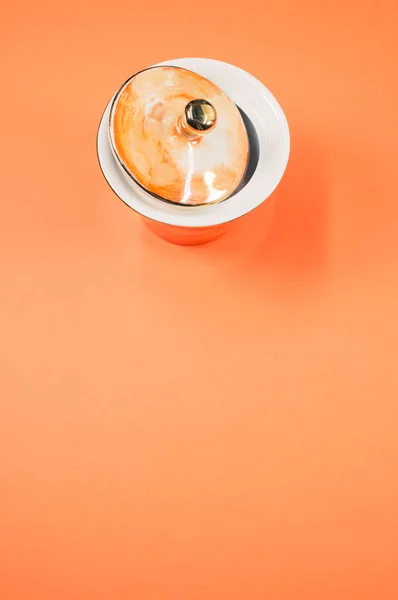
(147, 140)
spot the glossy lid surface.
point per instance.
(179, 136)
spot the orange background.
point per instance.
(216, 422)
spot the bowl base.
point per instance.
(186, 236)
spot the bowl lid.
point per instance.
(179, 136)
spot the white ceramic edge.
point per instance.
(272, 129)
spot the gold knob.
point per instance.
(199, 117)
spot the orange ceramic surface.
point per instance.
(215, 422)
(147, 133)
(186, 236)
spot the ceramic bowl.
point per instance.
(269, 140)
